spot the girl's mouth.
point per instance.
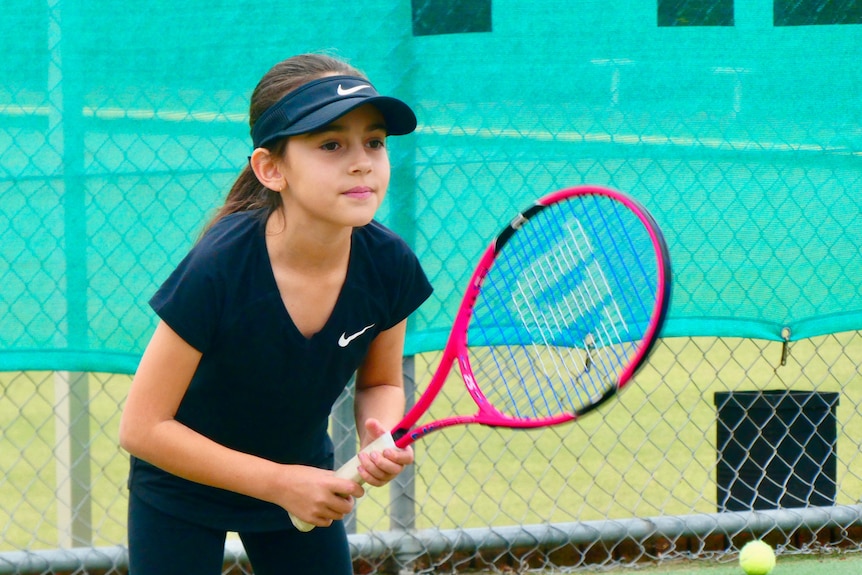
(359, 192)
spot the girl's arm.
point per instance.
(379, 404)
(149, 431)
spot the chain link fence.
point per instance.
(640, 482)
(735, 123)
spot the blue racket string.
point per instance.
(564, 308)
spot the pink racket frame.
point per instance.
(456, 347)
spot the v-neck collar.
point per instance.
(290, 325)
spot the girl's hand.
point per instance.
(379, 468)
(316, 496)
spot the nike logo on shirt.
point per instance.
(345, 339)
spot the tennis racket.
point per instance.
(561, 311)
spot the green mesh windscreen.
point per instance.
(736, 123)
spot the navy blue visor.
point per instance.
(321, 102)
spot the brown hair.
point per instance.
(247, 193)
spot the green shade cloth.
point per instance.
(121, 131)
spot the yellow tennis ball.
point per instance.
(756, 558)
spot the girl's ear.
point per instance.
(267, 169)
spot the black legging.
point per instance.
(162, 544)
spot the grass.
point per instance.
(650, 452)
(29, 474)
(834, 564)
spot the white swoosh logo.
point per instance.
(345, 339)
(347, 91)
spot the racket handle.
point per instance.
(350, 470)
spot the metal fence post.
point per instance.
(72, 452)
(403, 488)
(71, 389)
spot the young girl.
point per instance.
(291, 290)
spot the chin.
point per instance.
(360, 222)
(362, 216)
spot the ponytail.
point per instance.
(247, 193)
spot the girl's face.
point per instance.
(340, 173)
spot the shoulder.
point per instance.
(378, 249)
(228, 242)
(224, 267)
(387, 257)
(231, 230)
(219, 255)
(380, 240)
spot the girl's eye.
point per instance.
(377, 143)
(329, 146)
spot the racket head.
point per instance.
(568, 309)
(563, 308)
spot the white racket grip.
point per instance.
(350, 470)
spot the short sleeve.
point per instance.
(411, 289)
(189, 300)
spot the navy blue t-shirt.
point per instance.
(261, 386)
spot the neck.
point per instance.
(309, 248)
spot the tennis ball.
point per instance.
(756, 558)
